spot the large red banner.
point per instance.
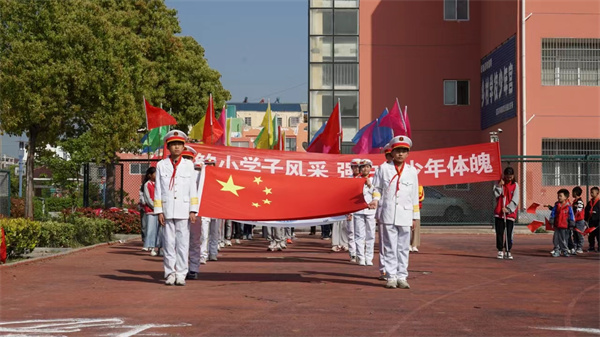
(453, 165)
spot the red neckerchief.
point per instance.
(175, 164)
(399, 170)
(593, 203)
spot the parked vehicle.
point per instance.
(438, 205)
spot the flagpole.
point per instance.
(401, 115)
(147, 128)
(212, 112)
(340, 130)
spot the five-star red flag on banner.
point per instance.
(243, 195)
(156, 117)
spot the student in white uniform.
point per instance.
(364, 220)
(354, 166)
(387, 150)
(397, 194)
(196, 228)
(176, 203)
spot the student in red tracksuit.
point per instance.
(507, 201)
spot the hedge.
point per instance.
(23, 235)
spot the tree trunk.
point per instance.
(29, 189)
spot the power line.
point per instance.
(280, 91)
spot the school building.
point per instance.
(466, 69)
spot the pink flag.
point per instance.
(365, 144)
(223, 122)
(395, 121)
(407, 122)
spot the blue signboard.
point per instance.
(499, 84)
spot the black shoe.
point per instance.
(591, 249)
(191, 276)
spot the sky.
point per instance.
(260, 47)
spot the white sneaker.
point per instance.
(410, 249)
(227, 243)
(415, 250)
(282, 245)
(202, 260)
(153, 252)
(391, 283)
(170, 280)
(362, 263)
(500, 254)
(552, 251)
(237, 241)
(579, 251)
(180, 281)
(279, 247)
(145, 249)
(353, 259)
(402, 284)
(369, 263)
(222, 244)
(212, 258)
(573, 251)
(272, 246)
(509, 256)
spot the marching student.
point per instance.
(152, 238)
(275, 238)
(592, 217)
(364, 220)
(211, 230)
(415, 236)
(354, 166)
(579, 210)
(396, 191)
(197, 228)
(387, 150)
(506, 192)
(562, 218)
(176, 203)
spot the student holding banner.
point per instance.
(397, 193)
(364, 220)
(387, 150)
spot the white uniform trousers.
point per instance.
(364, 236)
(380, 228)
(214, 234)
(396, 244)
(176, 243)
(275, 234)
(339, 236)
(351, 238)
(196, 230)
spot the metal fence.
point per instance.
(103, 186)
(5, 193)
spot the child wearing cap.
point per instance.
(176, 203)
(364, 220)
(397, 193)
(197, 228)
(387, 151)
(355, 167)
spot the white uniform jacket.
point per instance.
(399, 208)
(178, 202)
(368, 195)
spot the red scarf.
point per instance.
(593, 203)
(175, 164)
(399, 170)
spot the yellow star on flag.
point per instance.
(229, 186)
(267, 190)
(267, 201)
(257, 180)
(255, 204)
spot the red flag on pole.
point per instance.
(212, 129)
(395, 121)
(244, 195)
(157, 117)
(330, 140)
(534, 225)
(3, 247)
(531, 209)
(548, 225)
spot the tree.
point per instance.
(79, 68)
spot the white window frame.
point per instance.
(139, 166)
(293, 121)
(456, 93)
(246, 120)
(456, 10)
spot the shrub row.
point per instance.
(23, 235)
(126, 221)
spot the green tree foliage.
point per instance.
(79, 69)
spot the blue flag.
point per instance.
(381, 134)
(318, 133)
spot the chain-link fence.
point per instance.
(545, 175)
(5, 193)
(104, 187)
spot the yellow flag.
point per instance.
(228, 132)
(264, 140)
(198, 130)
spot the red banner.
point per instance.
(453, 165)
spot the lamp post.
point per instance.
(21, 150)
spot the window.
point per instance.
(571, 62)
(240, 144)
(248, 121)
(456, 10)
(279, 121)
(290, 144)
(568, 171)
(456, 92)
(294, 121)
(138, 168)
(457, 187)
